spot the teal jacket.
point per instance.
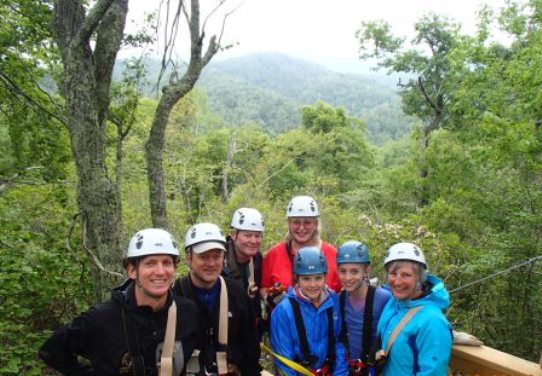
(424, 345)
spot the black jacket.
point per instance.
(234, 270)
(98, 335)
(243, 343)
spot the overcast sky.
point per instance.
(321, 30)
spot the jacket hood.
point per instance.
(437, 296)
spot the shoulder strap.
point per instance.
(130, 333)
(183, 287)
(368, 323)
(406, 318)
(251, 281)
(301, 332)
(166, 359)
(330, 339)
(343, 337)
(221, 359)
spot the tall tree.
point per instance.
(88, 40)
(176, 89)
(432, 71)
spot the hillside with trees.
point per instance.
(268, 90)
(465, 183)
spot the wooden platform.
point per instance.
(486, 361)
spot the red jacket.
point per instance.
(277, 267)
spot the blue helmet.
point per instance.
(309, 260)
(353, 252)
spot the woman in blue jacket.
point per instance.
(424, 344)
(305, 326)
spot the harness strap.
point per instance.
(221, 358)
(406, 318)
(368, 323)
(185, 288)
(251, 281)
(166, 360)
(330, 339)
(130, 333)
(308, 358)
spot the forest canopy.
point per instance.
(463, 180)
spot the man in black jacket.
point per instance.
(125, 335)
(205, 248)
(243, 258)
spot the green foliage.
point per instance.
(483, 184)
(42, 283)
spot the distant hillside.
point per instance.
(270, 89)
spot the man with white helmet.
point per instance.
(229, 341)
(142, 330)
(303, 231)
(243, 258)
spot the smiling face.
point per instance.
(247, 244)
(352, 276)
(403, 278)
(312, 285)
(302, 229)
(205, 267)
(154, 276)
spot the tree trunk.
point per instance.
(171, 94)
(85, 87)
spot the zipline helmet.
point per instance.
(248, 219)
(405, 251)
(152, 241)
(353, 252)
(309, 260)
(203, 237)
(302, 206)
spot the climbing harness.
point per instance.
(356, 366)
(308, 358)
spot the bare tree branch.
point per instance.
(19, 91)
(92, 21)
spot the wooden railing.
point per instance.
(486, 361)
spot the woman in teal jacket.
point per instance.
(424, 344)
(310, 336)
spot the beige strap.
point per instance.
(221, 360)
(166, 360)
(251, 281)
(406, 318)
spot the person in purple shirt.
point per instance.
(361, 304)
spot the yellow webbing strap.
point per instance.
(287, 362)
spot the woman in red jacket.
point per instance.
(303, 231)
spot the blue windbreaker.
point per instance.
(285, 339)
(424, 345)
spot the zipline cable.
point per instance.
(530, 261)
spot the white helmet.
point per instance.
(203, 237)
(405, 251)
(152, 241)
(247, 219)
(302, 206)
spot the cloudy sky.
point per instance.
(320, 30)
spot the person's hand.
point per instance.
(252, 290)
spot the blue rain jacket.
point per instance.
(424, 345)
(285, 339)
